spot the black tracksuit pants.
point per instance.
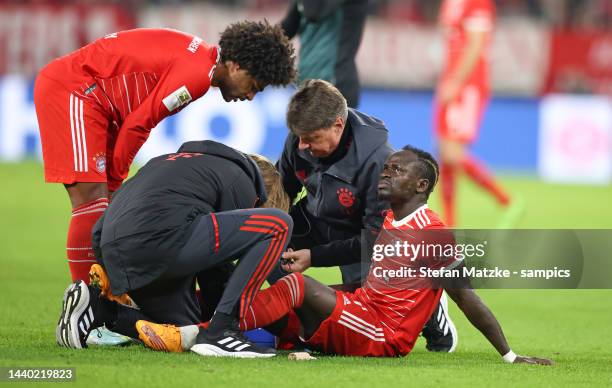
(255, 238)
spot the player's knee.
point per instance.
(451, 154)
(314, 290)
(283, 219)
(451, 160)
(309, 284)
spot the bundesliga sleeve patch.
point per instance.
(177, 98)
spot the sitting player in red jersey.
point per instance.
(461, 98)
(97, 105)
(384, 317)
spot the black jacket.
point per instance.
(343, 196)
(150, 216)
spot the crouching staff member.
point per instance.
(182, 214)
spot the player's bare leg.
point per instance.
(319, 302)
(454, 157)
(312, 301)
(81, 193)
(451, 154)
(451, 151)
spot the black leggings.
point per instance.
(255, 238)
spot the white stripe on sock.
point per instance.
(290, 287)
(296, 288)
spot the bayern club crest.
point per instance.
(100, 162)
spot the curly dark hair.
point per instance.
(261, 49)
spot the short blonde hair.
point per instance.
(277, 196)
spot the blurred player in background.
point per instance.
(96, 106)
(330, 33)
(384, 317)
(462, 96)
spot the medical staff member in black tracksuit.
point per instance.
(182, 214)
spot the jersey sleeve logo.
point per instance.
(177, 98)
(194, 45)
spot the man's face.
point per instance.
(322, 142)
(400, 179)
(239, 84)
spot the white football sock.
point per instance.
(188, 336)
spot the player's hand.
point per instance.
(448, 91)
(532, 360)
(296, 261)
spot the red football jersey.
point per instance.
(405, 302)
(458, 17)
(136, 78)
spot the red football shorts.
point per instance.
(351, 330)
(74, 134)
(460, 119)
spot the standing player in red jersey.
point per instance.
(384, 317)
(462, 96)
(97, 105)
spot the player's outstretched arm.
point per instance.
(483, 319)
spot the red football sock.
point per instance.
(78, 246)
(274, 302)
(479, 174)
(448, 174)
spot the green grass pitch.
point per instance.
(571, 327)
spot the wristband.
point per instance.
(509, 357)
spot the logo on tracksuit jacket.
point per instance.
(346, 198)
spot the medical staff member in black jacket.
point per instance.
(182, 214)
